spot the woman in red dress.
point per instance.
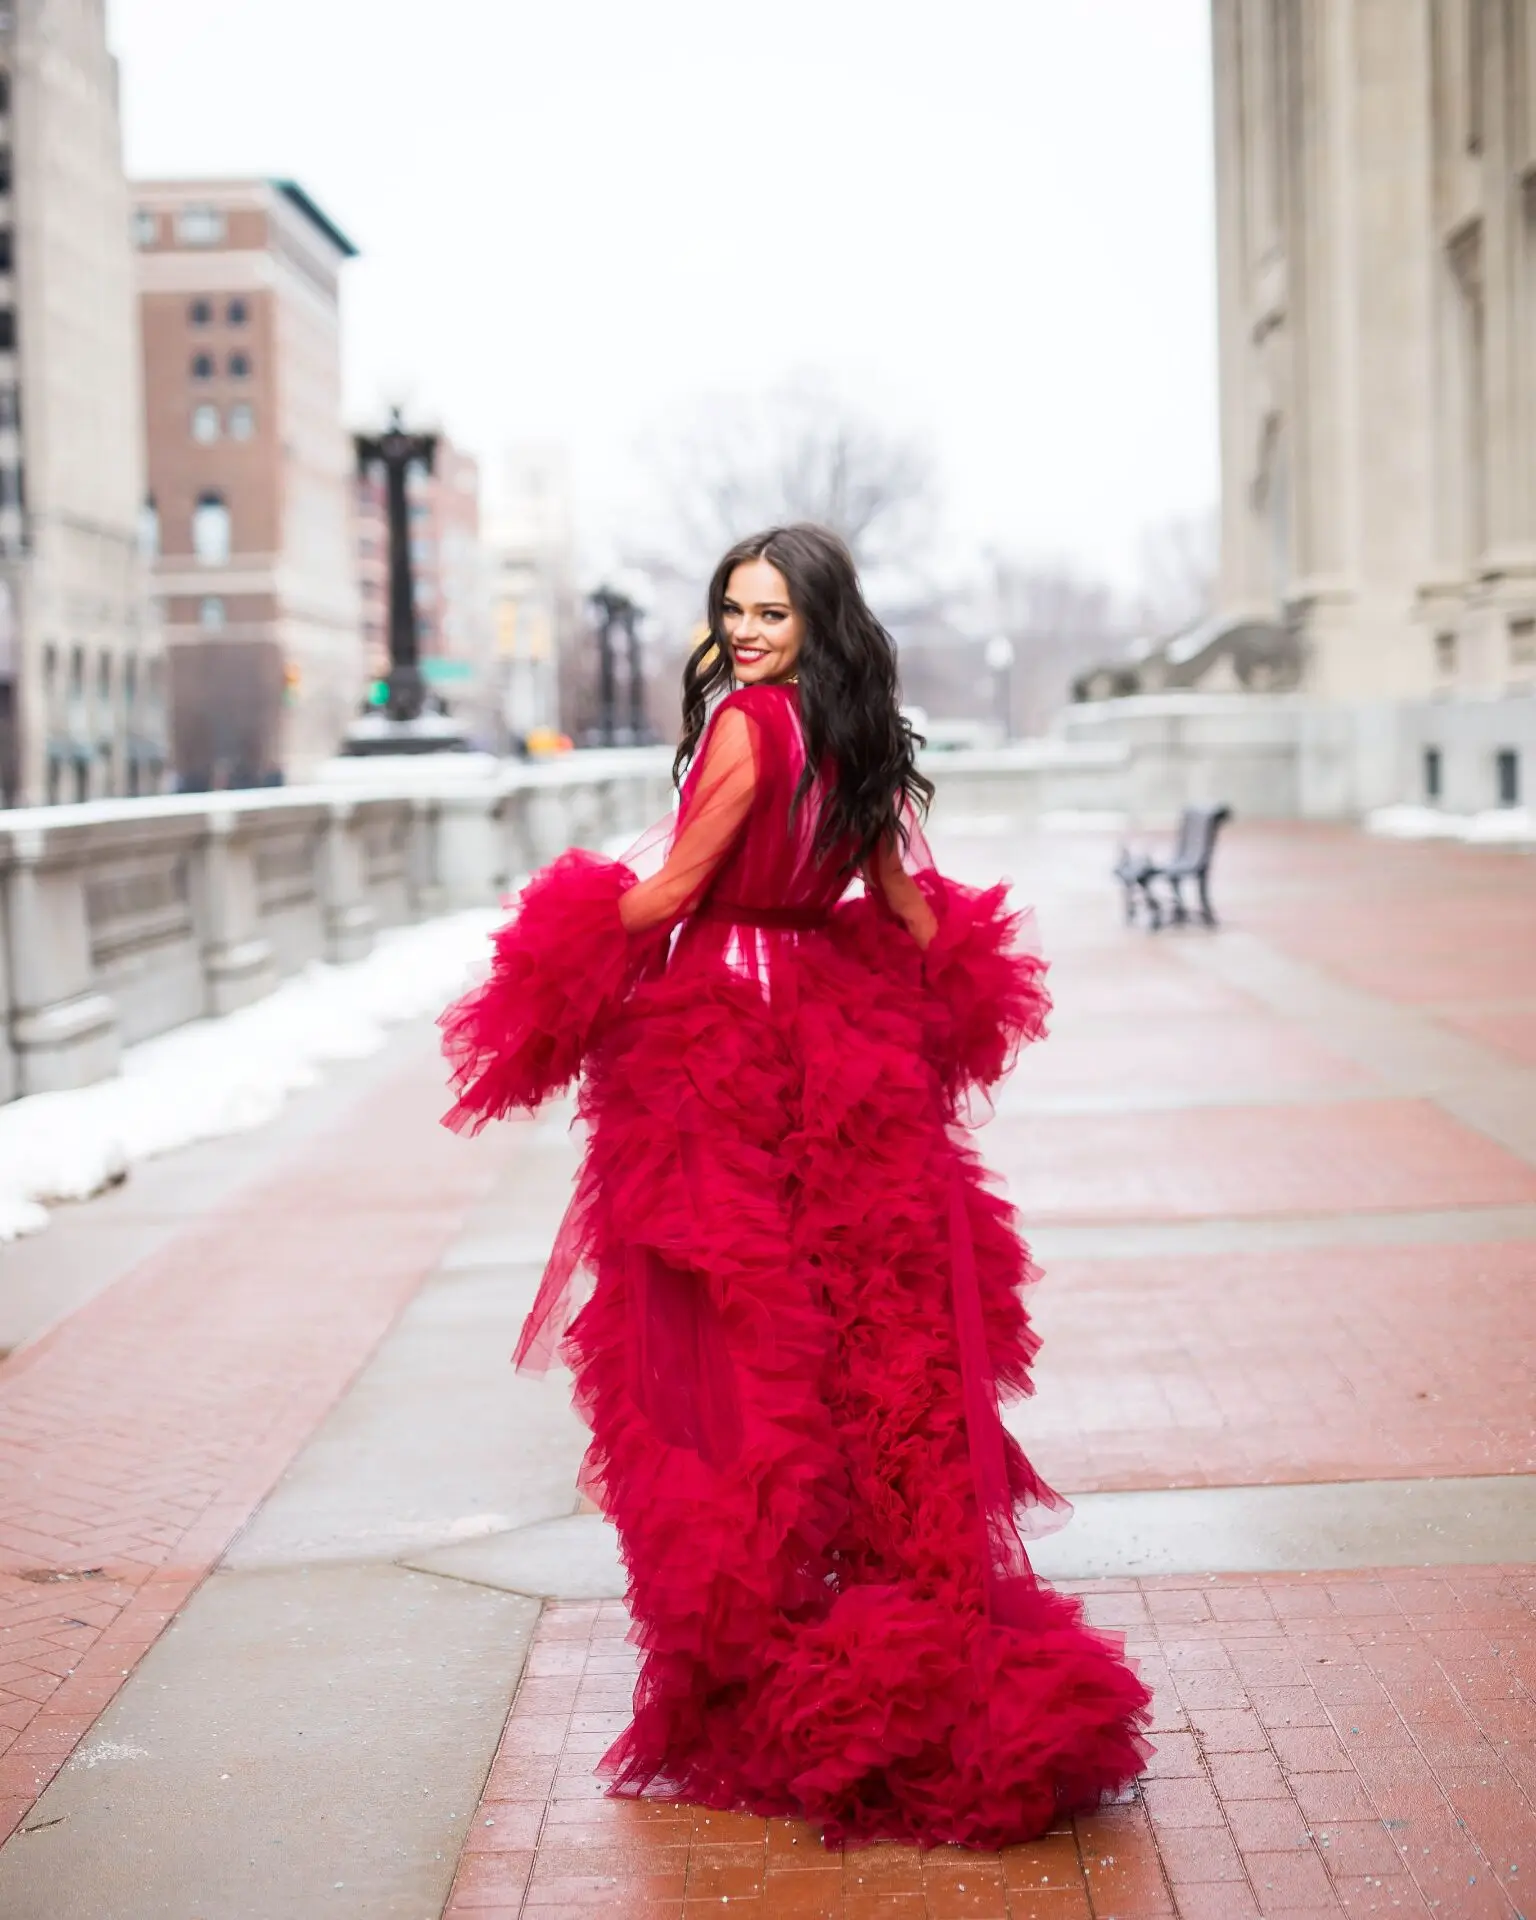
(806, 1297)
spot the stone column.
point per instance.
(1508, 360)
(1391, 350)
(1320, 213)
(1244, 583)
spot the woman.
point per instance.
(806, 1297)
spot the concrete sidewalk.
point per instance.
(278, 1520)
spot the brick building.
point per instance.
(249, 475)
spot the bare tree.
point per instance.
(1179, 562)
(1061, 622)
(740, 462)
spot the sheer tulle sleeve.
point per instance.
(716, 801)
(584, 932)
(560, 969)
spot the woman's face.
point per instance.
(762, 628)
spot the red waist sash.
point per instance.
(732, 912)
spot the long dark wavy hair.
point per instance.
(853, 724)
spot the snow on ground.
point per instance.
(222, 1076)
(1500, 826)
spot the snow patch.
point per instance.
(214, 1077)
(1500, 826)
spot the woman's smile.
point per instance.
(762, 627)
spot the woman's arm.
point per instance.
(903, 895)
(717, 803)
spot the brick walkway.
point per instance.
(1352, 1743)
(1271, 1257)
(1360, 1743)
(141, 1433)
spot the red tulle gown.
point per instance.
(805, 1301)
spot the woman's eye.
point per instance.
(773, 614)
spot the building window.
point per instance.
(237, 313)
(1431, 773)
(146, 228)
(242, 421)
(1506, 776)
(200, 312)
(202, 366)
(1522, 642)
(199, 226)
(5, 169)
(1445, 653)
(149, 528)
(7, 329)
(10, 407)
(205, 423)
(5, 92)
(211, 530)
(5, 250)
(239, 366)
(210, 614)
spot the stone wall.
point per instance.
(1283, 757)
(122, 919)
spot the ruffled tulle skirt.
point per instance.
(769, 1366)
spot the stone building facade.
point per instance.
(80, 656)
(1376, 218)
(250, 475)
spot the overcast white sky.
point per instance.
(989, 220)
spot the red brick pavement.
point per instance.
(1343, 1744)
(1355, 1156)
(1509, 1030)
(1418, 923)
(1246, 1056)
(1337, 1363)
(141, 1433)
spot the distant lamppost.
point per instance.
(633, 620)
(617, 613)
(610, 608)
(999, 658)
(397, 451)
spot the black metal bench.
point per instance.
(1189, 860)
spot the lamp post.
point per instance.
(611, 608)
(1000, 657)
(397, 451)
(633, 619)
(619, 613)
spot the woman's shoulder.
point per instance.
(766, 716)
(764, 696)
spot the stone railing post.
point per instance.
(347, 917)
(63, 1030)
(238, 964)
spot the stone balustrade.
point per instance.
(122, 919)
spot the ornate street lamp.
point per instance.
(397, 451)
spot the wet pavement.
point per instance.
(277, 1523)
